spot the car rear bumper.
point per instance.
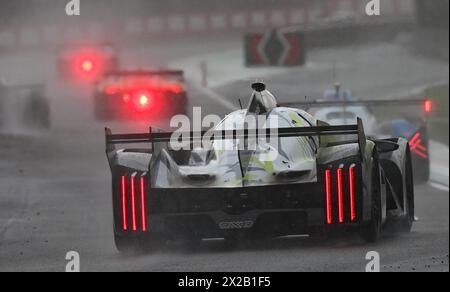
(217, 213)
(114, 108)
(219, 224)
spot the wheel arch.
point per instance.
(394, 165)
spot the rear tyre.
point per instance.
(421, 171)
(405, 225)
(192, 244)
(137, 244)
(232, 242)
(372, 232)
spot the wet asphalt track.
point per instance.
(55, 197)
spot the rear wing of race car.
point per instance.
(144, 73)
(26, 88)
(321, 131)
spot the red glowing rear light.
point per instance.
(428, 106)
(124, 204)
(133, 191)
(111, 90)
(417, 147)
(126, 97)
(133, 203)
(176, 89)
(87, 66)
(328, 196)
(143, 100)
(340, 195)
(351, 173)
(143, 202)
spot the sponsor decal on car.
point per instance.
(236, 225)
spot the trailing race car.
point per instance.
(340, 108)
(140, 95)
(307, 178)
(24, 107)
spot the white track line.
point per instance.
(439, 186)
(439, 164)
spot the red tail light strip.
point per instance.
(124, 204)
(328, 196)
(417, 147)
(133, 197)
(428, 106)
(133, 203)
(351, 175)
(340, 195)
(143, 209)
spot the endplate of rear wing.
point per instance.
(124, 73)
(30, 87)
(371, 102)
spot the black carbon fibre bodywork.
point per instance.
(278, 210)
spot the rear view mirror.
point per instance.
(384, 146)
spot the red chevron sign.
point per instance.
(276, 48)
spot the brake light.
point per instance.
(87, 66)
(143, 100)
(175, 89)
(133, 191)
(328, 196)
(133, 203)
(143, 209)
(126, 97)
(428, 106)
(351, 175)
(124, 204)
(111, 90)
(340, 195)
(417, 147)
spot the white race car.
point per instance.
(339, 107)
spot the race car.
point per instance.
(287, 174)
(140, 95)
(24, 107)
(409, 120)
